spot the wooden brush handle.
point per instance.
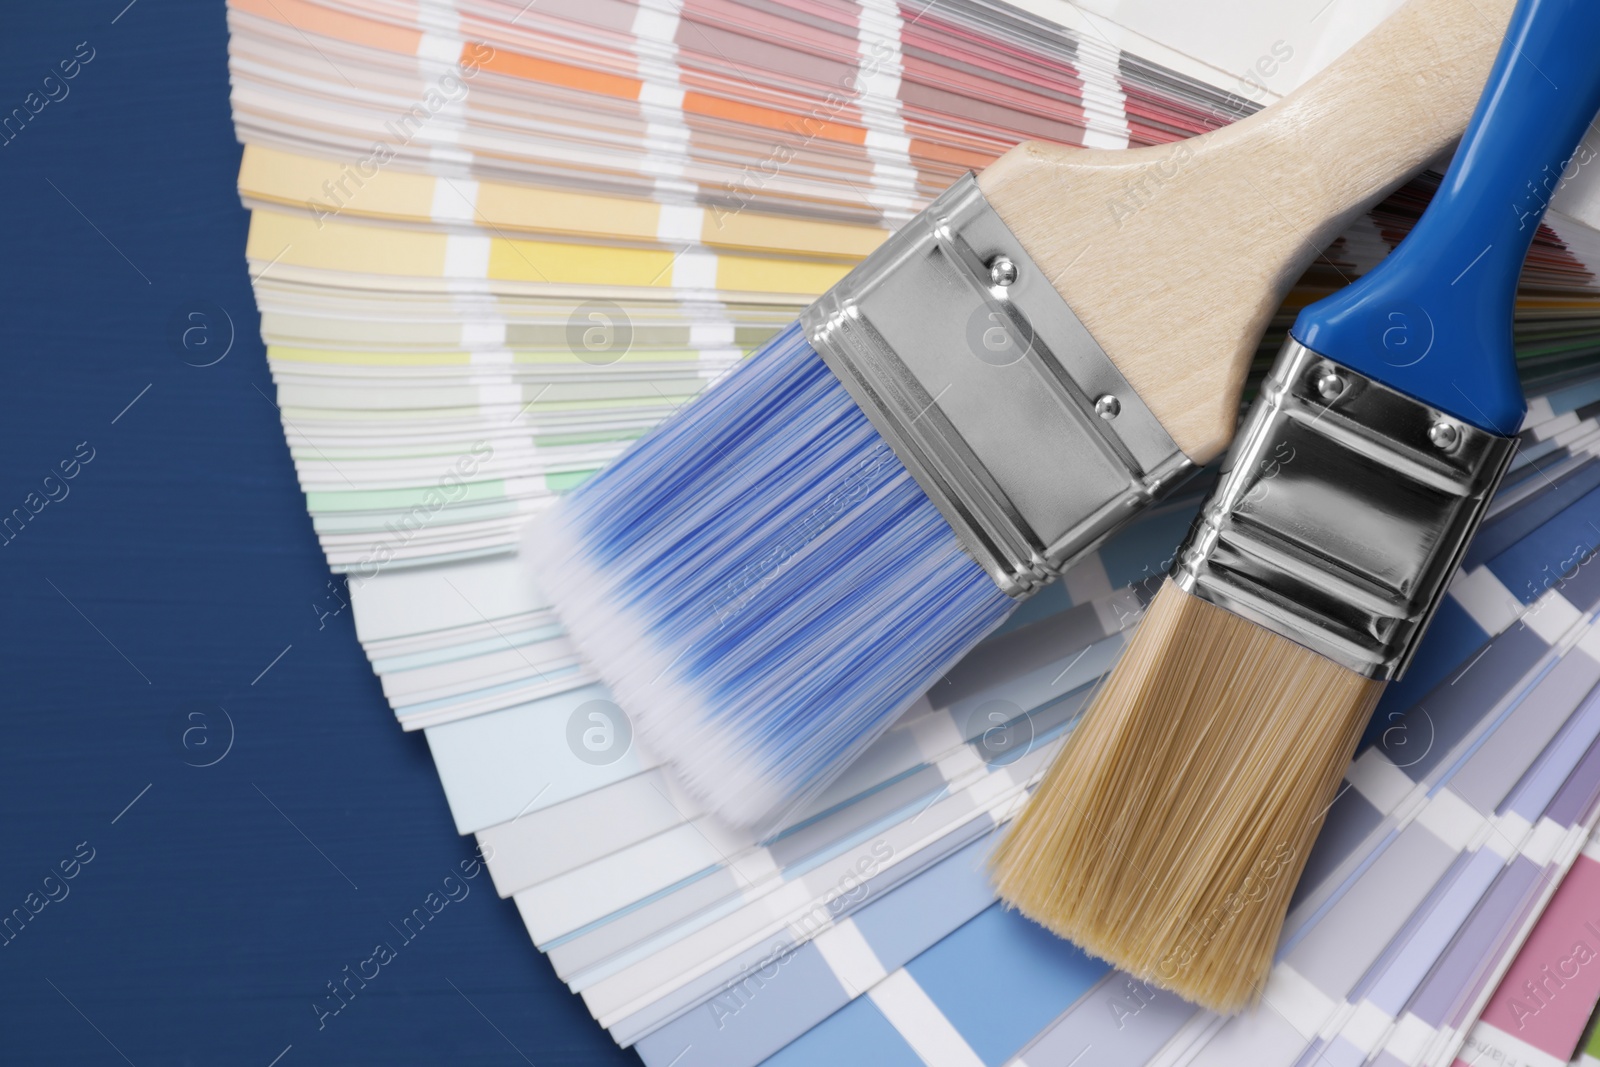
(1176, 257)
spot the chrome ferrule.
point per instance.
(993, 395)
(1341, 513)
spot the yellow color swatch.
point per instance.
(301, 241)
(574, 264)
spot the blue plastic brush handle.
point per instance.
(1433, 320)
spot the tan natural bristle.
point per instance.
(1170, 833)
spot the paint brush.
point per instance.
(776, 572)
(1170, 833)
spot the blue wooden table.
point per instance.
(211, 823)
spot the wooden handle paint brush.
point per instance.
(1170, 833)
(770, 577)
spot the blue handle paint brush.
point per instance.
(775, 573)
(1172, 829)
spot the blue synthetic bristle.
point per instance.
(762, 584)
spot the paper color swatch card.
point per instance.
(493, 243)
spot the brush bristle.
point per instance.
(1169, 834)
(762, 584)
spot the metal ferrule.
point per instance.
(993, 395)
(1343, 509)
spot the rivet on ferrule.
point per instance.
(1330, 385)
(1444, 435)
